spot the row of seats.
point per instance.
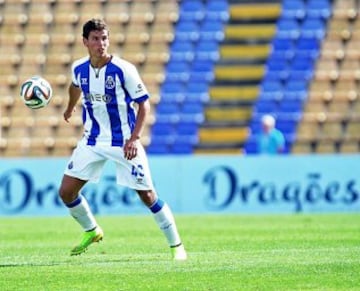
(188, 73)
(290, 68)
(44, 37)
(331, 115)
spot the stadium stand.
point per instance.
(331, 111)
(213, 67)
(299, 33)
(237, 74)
(43, 38)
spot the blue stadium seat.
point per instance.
(172, 92)
(271, 89)
(283, 47)
(207, 50)
(162, 129)
(293, 9)
(302, 67)
(212, 30)
(201, 71)
(217, 10)
(277, 68)
(157, 148)
(187, 128)
(319, 8)
(288, 28)
(287, 123)
(313, 27)
(192, 112)
(296, 89)
(192, 108)
(197, 92)
(307, 46)
(192, 10)
(251, 146)
(182, 146)
(265, 107)
(177, 71)
(182, 50)
(187, 30)
(164, 108)
(255, 125)
(291, 106)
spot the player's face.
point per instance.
(97, 43)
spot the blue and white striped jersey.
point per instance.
(108, 99)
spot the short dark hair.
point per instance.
(93, 24)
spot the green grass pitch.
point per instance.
(226, 252)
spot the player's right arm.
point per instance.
(74, 95)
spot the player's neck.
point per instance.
(100, 62)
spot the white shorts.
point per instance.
(87, 162)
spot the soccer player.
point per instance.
(109, 87)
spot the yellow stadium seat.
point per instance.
(255, 11)
(325, 147)
(223, 134)
(240, 93)
(250, 31)
(239, 72)
(228, 114)
(244, 51)
(349, 147)
(301, 147)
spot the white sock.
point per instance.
(165, 220)
(80, 210)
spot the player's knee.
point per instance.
(148, 197)
(66, 194)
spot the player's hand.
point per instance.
(130, 149)
(68, 113)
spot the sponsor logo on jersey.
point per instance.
(95, 97)
(139, 88)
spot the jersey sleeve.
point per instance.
(134, 84)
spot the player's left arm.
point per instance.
(140, 96)
(142, 114)
(130, 147)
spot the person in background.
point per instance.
(115, 106)
(271, 141)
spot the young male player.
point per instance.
(109, 87)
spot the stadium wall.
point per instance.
(195, 184)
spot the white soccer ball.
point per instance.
(36, 92)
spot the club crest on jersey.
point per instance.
(110, 83)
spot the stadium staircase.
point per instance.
(216, 62)
(237, 74)
(290, 67)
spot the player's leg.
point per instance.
(166, 222)
(80, 211)
(135, 174)
(84, 165)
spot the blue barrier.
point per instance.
(196, 184)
